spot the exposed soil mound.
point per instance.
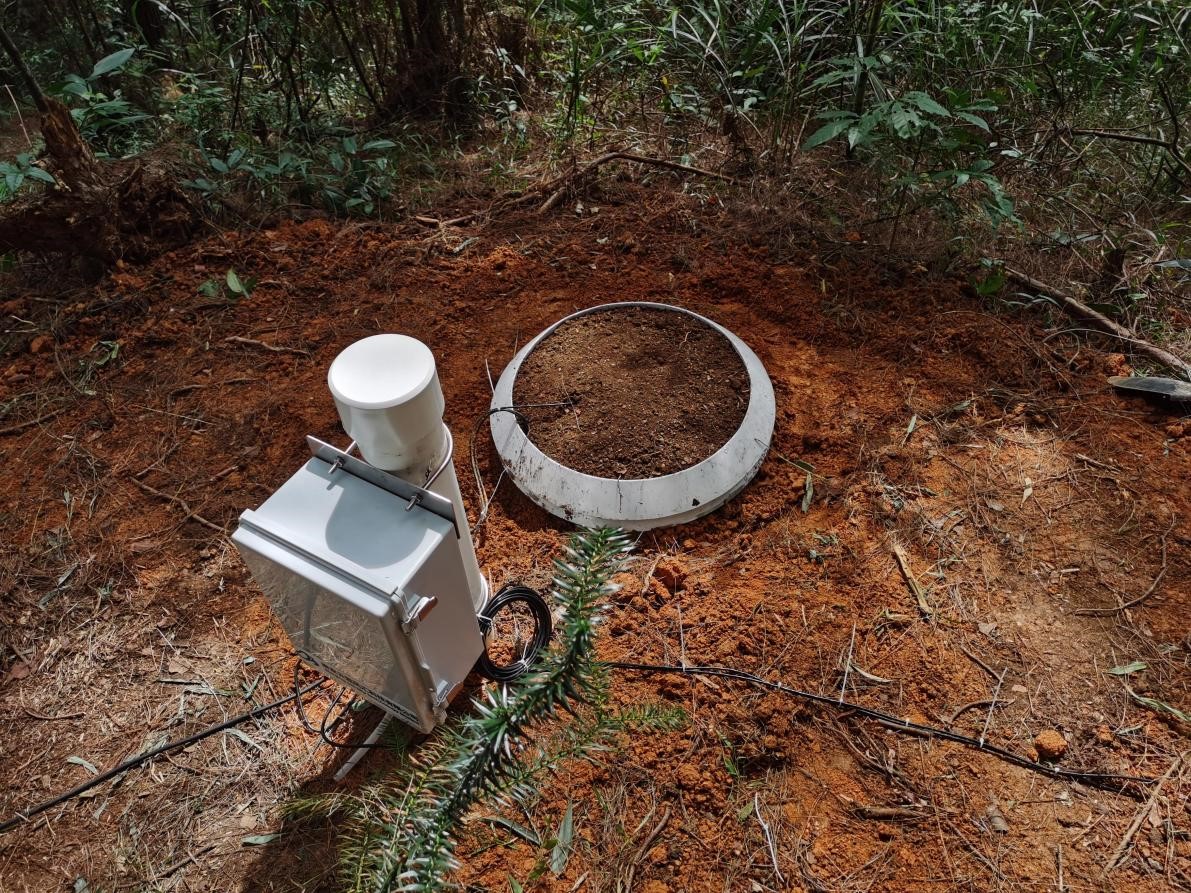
(640, 392)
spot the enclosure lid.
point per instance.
(349, 524)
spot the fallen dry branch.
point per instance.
(972, 705)
(1075, 307)
(1132, 603)
(454, 221)
(886, 813)
(1142, 814)
(191, 515)
(1171, 146)
(557, 187)
(903, 564)
(274, 348)
(568, 181)
(29, 423)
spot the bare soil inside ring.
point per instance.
(632, 392)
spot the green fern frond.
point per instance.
(404, 838)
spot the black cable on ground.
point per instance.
(324, 727)
(543, 630)
(131, 763)
(895, 723)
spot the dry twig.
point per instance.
(1132, 603)
(903, 563)
(21, 426)
(972, 705)
(769, 843)
(270, 347)
(592, 166)
(1118, 854)
(191, 515)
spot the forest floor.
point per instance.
(1029, 504)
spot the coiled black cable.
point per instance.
(543, 630)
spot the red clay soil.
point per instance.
(632, 392)
(1029, 504)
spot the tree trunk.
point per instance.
(90, 212)
(70, 158)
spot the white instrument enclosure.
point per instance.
(368, 584)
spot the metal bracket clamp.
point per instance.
(340, 460)
(433, 476)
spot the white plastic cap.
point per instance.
(389, 400)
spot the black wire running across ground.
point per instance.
(897, 724)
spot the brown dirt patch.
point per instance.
(647, 392)
(1025, 494)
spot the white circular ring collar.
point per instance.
(642, 503)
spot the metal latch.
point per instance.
(416, 614)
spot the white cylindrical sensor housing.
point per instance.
(390, 402)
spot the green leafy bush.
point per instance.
(18, 172)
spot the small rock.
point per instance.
(40, 343)
(1050, 744)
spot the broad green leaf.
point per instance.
(926, 103)
(111, 63)
(259, 839)
(515, 886)
(233, 282)
(219, 165)
(973, 119)
(562, 849)
(906, 122)
(38, 174)
(79, 761)
(808, 494)
(1136, 667)
(378, 144)
(827, 132)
